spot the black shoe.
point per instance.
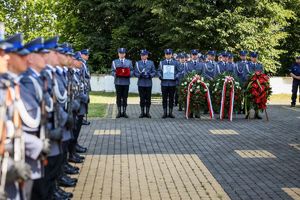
(79, 156)
(148, 112)
(68, 178)
(197, 116)
(124, 112)
(293, 105)
(86, 123)
(165, 115)
(64, 193)
(74, 159)
(180, 108)
(63, 182)
(257, 116)
(191, 115)
(142, 112)
(247, 116)
(171, 113)
(58, 196)
(81, 146)
(72, 167)
(119, 113)
(80, 149)
(69, 170)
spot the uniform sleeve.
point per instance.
(33, 146)
(136, 71)
(113, 68)
(159, 71)
(177, 71)
(131, 68)
(153, 71)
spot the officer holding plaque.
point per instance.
(122, 70)
(168, 73)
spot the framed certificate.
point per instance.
(169, 72)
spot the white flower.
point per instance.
(198, 87)
(205, 90)
(185, 83)
(198, 81)
(191, 90)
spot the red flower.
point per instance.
(254, 85)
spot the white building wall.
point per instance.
(280, 85)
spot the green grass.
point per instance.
(97, 110)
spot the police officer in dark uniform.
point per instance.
(145, 71)
(168, 74)
(182, 66)
(122, 70)
(86, 78)
(194, 65)
(255, 66)
(295, 74)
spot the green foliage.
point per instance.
(270, 27)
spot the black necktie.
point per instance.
(168, 62)
(195, 63)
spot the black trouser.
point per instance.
(296, 85)
(168, 93)
(76, 131)
(43, 188)
(65, 145)
(122, 95)
(145, 96)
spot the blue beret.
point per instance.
(77, 55)
(16, 42)
(85, 51)
(243, 53)
(213, 53)
(168, 51)
(5, 45)
(51, 43)
(230, 55)
(181, 55)
(225, 54)
(36, 45)
(194, 52)
(254, 54)
(144, 52)
(121, 50)
(220, 54)
(203, 57)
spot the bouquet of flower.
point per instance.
(227, 95)
(257, 92)
(183, 87)
(198, 96)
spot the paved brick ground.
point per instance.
(191, 159)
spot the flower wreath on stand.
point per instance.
(226, 95)
(257, 92)
(183, 88)
(198, 96)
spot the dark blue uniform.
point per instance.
(145, 71)
(295, 69)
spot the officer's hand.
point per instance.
(56, 134)
(2, 195)
(23, 170)
(46, 146)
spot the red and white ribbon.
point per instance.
(207, 95)
(228, 80)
